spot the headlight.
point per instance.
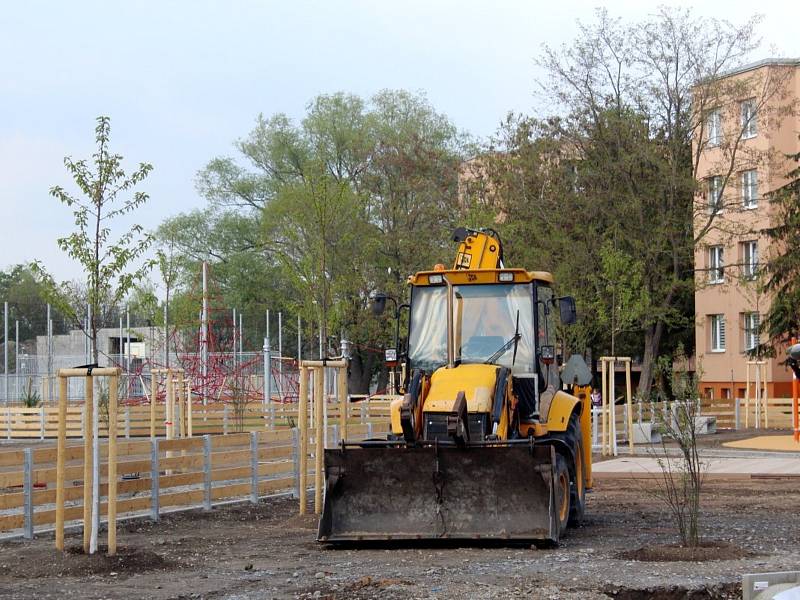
(505, 276)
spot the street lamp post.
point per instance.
(378, 307)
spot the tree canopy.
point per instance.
(313, 217)
(603, 194)
(782, 268)
(113, 262)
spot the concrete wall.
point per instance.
(71, 347)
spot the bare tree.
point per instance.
(680, 482)
(669, 71)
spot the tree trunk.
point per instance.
(652, 341)
(362, 366)
(383, 381)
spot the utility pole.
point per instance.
(234, 337)
(204, 331)
(5, 349)
(49, 353)
(16, 360)
(128, 345)
(280, 346)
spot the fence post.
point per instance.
(83, 419)
(88, 408)
(302, 418)
(127, 422)
(41, 422)
(271, 414)
(319, 435)
(268, 383)
(736, 413)
(335, 435)
(206, 472)
(225, 419)
(113, 392)
(369, 430)
(254, 467)
(178, 409)
(362, 410)
(189, 422)
(154, 483)
(625, 415)
(27, 486)
(61, 447)
(296, 462)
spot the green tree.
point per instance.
(622, 281)
(319, 214)
(585, 213)
(624, 155)
(27, 300)
(242, 273)
(143, 303)
(782, 267)
(322, 240)
(110, 263)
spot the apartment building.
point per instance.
(750, 123)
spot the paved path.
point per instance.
(640, 465)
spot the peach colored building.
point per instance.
(749, 124)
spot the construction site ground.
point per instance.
(625, 549)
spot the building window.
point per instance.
(714, 128)
(717, 323)
(750, 259)
(716, 265)
(714, 194)
(752, 322)
(748, 112)
(749, 189)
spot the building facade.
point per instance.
(749, 124)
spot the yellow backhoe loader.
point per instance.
(485, 443)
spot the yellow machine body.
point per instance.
(476, 381)
(481, 447)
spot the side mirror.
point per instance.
(794, 352)
(567, 310)
(378, 304)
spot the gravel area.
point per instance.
(268, 551)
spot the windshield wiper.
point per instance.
(504, 348)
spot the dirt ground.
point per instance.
(268, 551)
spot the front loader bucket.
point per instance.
(428, 493)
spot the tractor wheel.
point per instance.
(577, 473)
(562, 493)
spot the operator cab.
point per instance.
(503, 317)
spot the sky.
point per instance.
(182, 81)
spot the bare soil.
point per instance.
(706, 550)
(269, 551)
